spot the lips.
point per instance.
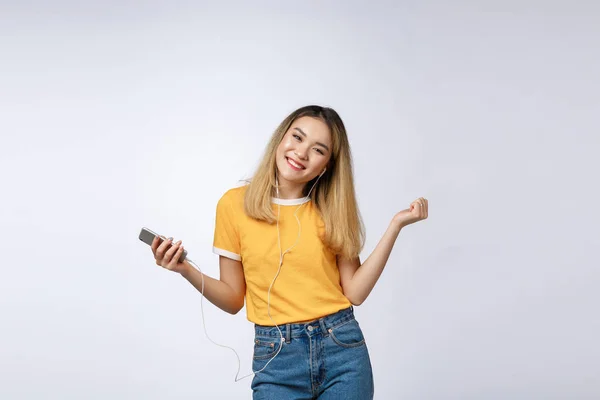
(295, 164)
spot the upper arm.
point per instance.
(232, 273)
(347, 269)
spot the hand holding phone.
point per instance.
(167, 255)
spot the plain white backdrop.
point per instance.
(117, 115)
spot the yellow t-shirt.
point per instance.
(308, 285)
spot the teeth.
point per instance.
(293, 163)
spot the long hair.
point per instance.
(334, 195)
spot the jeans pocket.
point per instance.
(265, 348)
(347, 334)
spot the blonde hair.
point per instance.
(334, 195)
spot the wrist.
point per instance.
(186, 270)
(397, 225)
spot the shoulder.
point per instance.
(234, 196)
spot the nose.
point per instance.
(301, 155)
(301, 152)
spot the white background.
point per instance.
(117, 115)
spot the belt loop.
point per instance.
(288, 333)
(323, 327)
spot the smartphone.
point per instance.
(147, 236)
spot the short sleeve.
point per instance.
(226, 240)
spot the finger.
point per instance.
(426, 208)
(155, 244)
(173, 249)
(169, 254)
(165, 245)
(160, 252)
(422, 204)
(177, 256)
(175, 260)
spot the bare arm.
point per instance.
(359, 280)
(228, 292)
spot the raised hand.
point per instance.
(419, 210)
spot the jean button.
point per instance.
(310, 328)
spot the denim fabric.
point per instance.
(323, 359)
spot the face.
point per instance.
(304, 151)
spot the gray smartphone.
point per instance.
(147, 236)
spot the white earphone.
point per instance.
(281, 254)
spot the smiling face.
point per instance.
(303, 153)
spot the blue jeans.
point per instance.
(323, 359)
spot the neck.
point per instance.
(287, 191)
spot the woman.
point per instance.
(289, 245)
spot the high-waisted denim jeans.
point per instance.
(323, 359)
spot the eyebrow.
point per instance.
(319, 143)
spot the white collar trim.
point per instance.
(290, 202)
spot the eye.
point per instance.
(297, 137)
(319, 151)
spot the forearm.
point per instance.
(367, 275)
(217, 292)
